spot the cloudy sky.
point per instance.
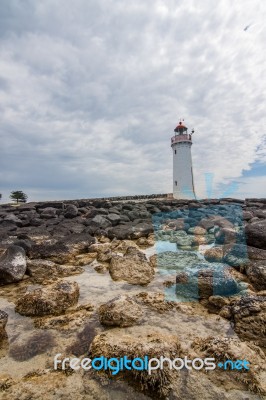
(91, 90)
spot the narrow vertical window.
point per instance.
(175, 151)
(176, 183)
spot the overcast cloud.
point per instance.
(90, 92)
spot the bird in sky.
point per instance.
(246, 28)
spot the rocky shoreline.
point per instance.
(86, 276)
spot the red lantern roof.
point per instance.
(180, 126)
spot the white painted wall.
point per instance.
(182, 171)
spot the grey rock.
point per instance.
(12, 265)
(48, 212)
(114, 218)
(101, 222)
(256, 272)
(3, 322)
(71, 211)
(256, 234)
(121, 311)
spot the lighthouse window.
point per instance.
(175, 151)
(176, 183)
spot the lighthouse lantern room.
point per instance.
(183, 184)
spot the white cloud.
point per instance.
(90, 93)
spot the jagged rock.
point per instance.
(256, 234)
(224, 348)
(249, 314)
(247, 215)
(131, 270)
(114, 218)
(71, 211)
(205, 282)
(142, 229)
(256, 272)
(64, 250)
(121, 311)
(225, 236)
(214, 254)
(3, 322)
(48, 212)
(53, 299)
(14, 219)
(256, 254)
(139, 342)
(213, 283)
(12, 264)
(100, 222)
(40, 269)
(218, 301)
(120, 232)
(176, 261)
(236, 255)
(207, 223)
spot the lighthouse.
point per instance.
(183, 184)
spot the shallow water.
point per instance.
(95, 289)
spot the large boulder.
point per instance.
(114, 218)
(71, 211)
(249, 315)
(131, 269)
(12, 265)
(3, 322)
(236, 255)
(256, 234)
(256, 272)
(48, 212)
(51, 300)
(205, 282)
(232, 348)
(138, 342)
(64, 250)
(121, 311)
(214, 254)
(100, 222)
(121, 232)
(39, 270)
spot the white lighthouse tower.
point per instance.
(183, 184)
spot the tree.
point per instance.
(18, 196)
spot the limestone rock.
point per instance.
(40, 269)
(121, 311)
(236, 255)
(139, 342)
(53, 299)
(223, 348)
(214, 254)
(136, 272)
(249, 314)
(256, 272)
(205, 282)
(3, 322)
(12, 265)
